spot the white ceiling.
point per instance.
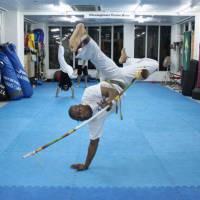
(157, 11)
(155, 20)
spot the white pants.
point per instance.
(108, 69)
(63, 65)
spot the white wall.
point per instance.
(2, 26)
(129, 36)
(14, 31)
(197, 37)
(175, 37)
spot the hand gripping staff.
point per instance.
(79, 126)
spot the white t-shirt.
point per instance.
(91, 96)
(63, 65)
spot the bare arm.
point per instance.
(109, 93)
(90, 155)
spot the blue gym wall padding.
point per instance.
(3, 94)
(27, 89)
(10, 79)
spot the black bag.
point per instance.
(189, 78)
(196, 93)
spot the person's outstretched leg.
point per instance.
(77, 37)
(58, 89)
(72, 91)
(87, 49)
(86, 80)
(78, 80)
(123, 56)
(85, 73)
(79, 72)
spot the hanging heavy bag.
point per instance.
(9, 78)
(3, 95)
(27, 89)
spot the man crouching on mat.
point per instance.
(114, 80)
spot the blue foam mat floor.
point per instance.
(154, 153)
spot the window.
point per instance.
(27, 27)
(165, 40)
(193, 25)
(118, 43)
(106, 40)
(152, 42)
(94, 34)
(54, 35)
(1, 26)
(140, 39)
(67, 32)
(186, 26)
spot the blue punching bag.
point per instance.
(27, 89)
(10, 80)
(3, 94)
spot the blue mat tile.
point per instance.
(156, 144)
(71, 193)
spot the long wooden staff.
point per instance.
(79, 126)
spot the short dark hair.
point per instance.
(87, 110)
(70, 111)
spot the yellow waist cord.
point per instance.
(118, 102)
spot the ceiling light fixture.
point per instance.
(62, 8)
(145, 8)
(142, 19)
(71, 19)
(185, 8)
(56, 36)
(55, 30)
(65, 7)
(134, 7)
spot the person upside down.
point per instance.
(113, 81)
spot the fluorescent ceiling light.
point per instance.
(188, 8)
(144, 8)
(142, 19)
(184, 8)
(61, 8)
(56, 36)
(67, 35)
(54, 29)
(71, 19)
(134, 7)
(65, 7)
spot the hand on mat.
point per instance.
(79, 167)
